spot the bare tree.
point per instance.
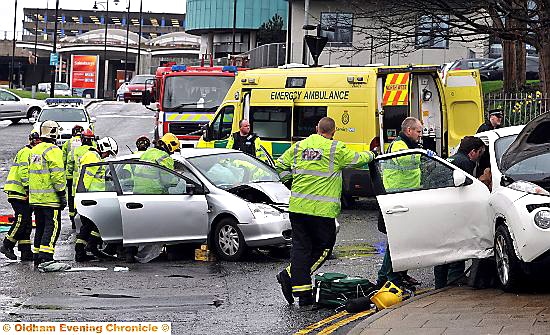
(407, 25)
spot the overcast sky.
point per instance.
(7, 8)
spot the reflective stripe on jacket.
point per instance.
(17, 182)
(74, 166)
(316, 165)
(46, 175)
(148, 179)
(401, 173)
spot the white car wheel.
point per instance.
(229, 240)
(508, 265)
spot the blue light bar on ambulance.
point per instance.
(229, 68)
(179, 67)
(64, 101)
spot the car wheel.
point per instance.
(229, 240)
(508, 265)
(15, 121)
(33, 112)
(126, 100)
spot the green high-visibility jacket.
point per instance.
(68, 150)
(316, 165)
(94, 176)
(403, 172)
(74, 166)
(46, 175)
(17, 183)
(148, 180)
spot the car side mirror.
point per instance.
(505, 181)
(207, 133)
(459, 178)
(146, 98)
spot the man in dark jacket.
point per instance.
(245, 141)
(494, 122)
(469, 152)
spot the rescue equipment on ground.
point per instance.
(336, 289)
(204, 254)
(387, 296)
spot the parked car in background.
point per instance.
(137, 85)
(469, 63)
(60, 89)
(123, 88)
(495, 69)
(222, 195)
(15, 108)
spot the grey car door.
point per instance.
(160, 206)
(99, 201)
(11, 106)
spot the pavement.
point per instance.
(462, 310)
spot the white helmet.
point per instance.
(49, 129)
(108, 144)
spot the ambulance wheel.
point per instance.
(508, 265)
(228, 240)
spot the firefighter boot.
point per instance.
(7, 249)
(80, 254)
(92, 247)
(130, 254)
(26, 252)
(110, 249)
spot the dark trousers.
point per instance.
(313, 239)
(88, 232)
(20, 230)
(70, 199)
(48, 227)
(448, 273)
(386, 272)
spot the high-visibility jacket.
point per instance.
(403, 172)
(316, 165)
(68, 150)
(94, 176)
(250, 144)
(149, 180)
(17, 183)
(78, 152)
(46, 175)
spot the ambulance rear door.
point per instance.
(464, 105)
(394, 107)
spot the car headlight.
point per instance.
(542, 219)
(263, 211)
(525, 186)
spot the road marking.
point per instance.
(126, 116)
(330, 329)
(321, 323)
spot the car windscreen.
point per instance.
(141, 79)
(531, 169)
(229, 170)
(195, 92)
(63, 115)
(61, 86)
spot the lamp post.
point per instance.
(105, 5)
(234, 25)
(12, 65)
(52, 79)
(126, 51)
(139, 37)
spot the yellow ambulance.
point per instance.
(368, 104)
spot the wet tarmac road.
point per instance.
(197, 297)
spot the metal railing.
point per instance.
(519, 108)
(267, 55)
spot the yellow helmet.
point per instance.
(171, 142)
(387, 296)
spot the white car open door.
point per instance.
(160, 206)
(434, 212)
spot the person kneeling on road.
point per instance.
(316, 165)
(93, 180)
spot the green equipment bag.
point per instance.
(335, 289)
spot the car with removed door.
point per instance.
(223, 196)
(464, 219)
(15, 108)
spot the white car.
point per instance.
(223, 196)
(67, 112)
(15, 108)
(60, 89)
(453, 216)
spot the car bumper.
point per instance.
(267, 232)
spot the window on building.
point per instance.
(342, 23)
(433, 32)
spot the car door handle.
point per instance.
(134, 205)
(397, 210)
(88, 202)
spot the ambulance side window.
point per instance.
(221, 127)
(271, 123)
(305, 120)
